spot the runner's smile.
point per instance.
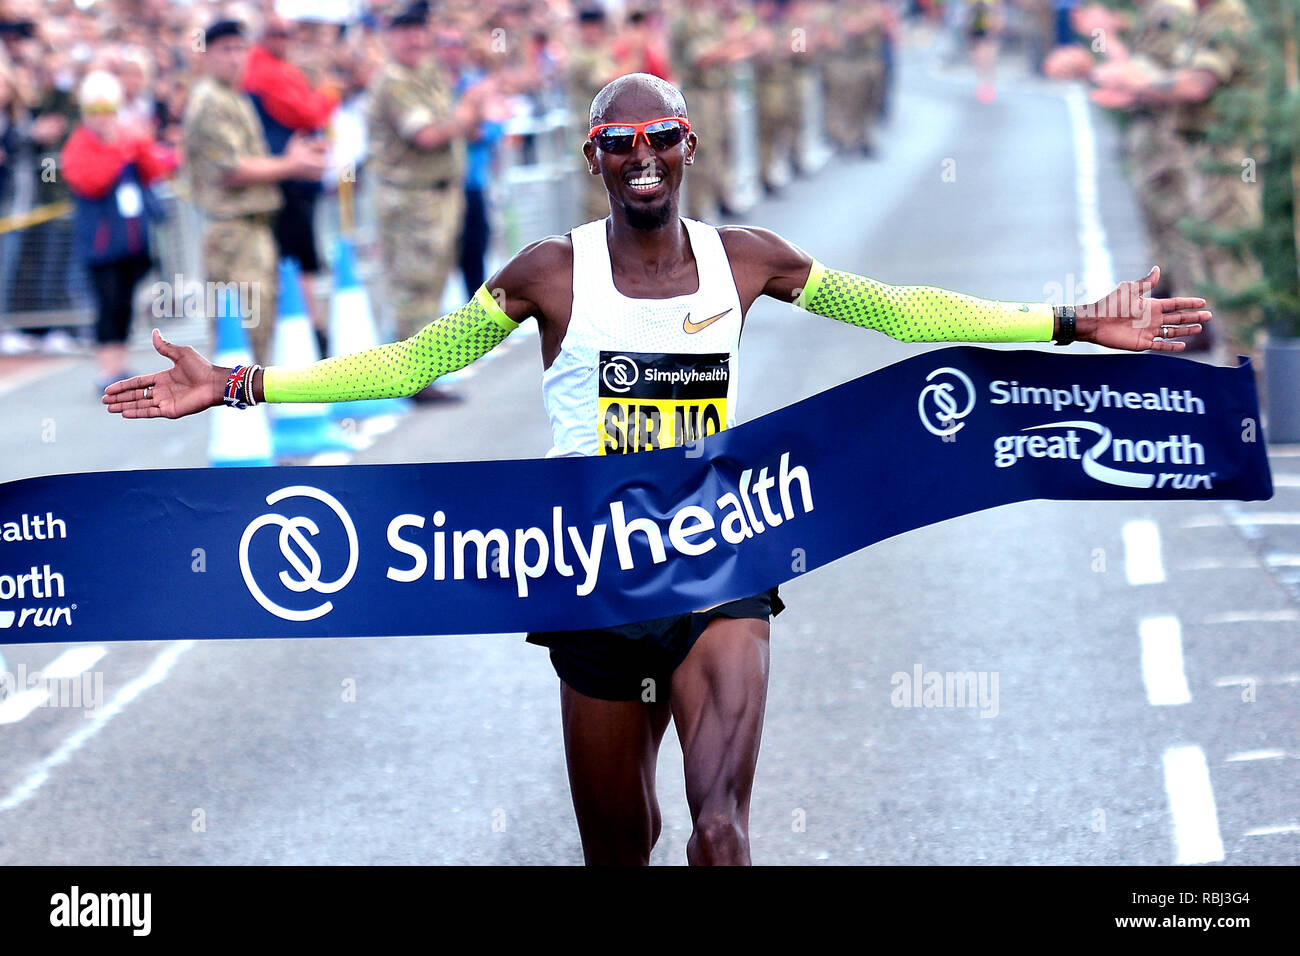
(646, 181)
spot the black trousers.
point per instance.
(114, 286)
(474, 240)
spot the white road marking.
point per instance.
(330, 458)
(1282, 560)
(1162, 661)
(1270, 831)
(1241, 680)
(1248, 617)
(17, 706)
(1268, 518)
(1256, 755)
(73, 661)
(1218, 564)
(1098, 269)
(1142, 564)
(94, 723)
(16, 377)
(1191, 803)
(1286, 481)
(378, 425)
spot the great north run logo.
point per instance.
(1174, 450)
(949, 397)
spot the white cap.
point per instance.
(100, 86)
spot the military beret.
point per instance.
(223, 28)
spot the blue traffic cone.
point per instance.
(352, 329)
(300, 428)
(236, 438)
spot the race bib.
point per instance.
(129, 201)
(650, 400)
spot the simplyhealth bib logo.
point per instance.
(950, 397)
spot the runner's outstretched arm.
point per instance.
(448, 343)
(399, 368)
(1128, 318)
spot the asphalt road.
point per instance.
(238, 751)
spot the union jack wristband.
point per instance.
(235, 392)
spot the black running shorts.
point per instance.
(613, 663)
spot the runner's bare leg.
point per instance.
(718, 698)
(612, 748)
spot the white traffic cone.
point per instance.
(236, 438)
(352, 329)
(300, 428)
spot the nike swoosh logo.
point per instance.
(690, 326)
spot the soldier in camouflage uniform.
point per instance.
(232, 179)
(776, 89)
(838, 76)
(870, 45)
(591, 65)
(855, 74)
(1223, 186)
(1155, 150)
(417, 156)
(702, 59)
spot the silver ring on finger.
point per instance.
(147, 390)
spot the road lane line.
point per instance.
(17, 706)
(73, 661)
(1142, 564)
(1267, 518)
(154, 674)
(1098, 269)
(1253, 617)
(1237, 680)
(1256, 755)
(1191, 803)
(1162, 661)
(1270, 831)
(1217, 564)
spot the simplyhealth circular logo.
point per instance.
(937, 401)
(299, 553)
(621, 373)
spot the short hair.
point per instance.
(671, 95)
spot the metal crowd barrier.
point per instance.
(42, 284)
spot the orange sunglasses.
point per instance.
(660, 134)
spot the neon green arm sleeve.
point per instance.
(919, 313)
(399, 368)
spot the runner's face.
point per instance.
(644, 207)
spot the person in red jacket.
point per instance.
(108, 168)
(288, 103)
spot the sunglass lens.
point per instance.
(615, 139)
(665, 135)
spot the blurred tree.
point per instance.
(1266, 115)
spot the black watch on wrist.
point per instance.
(1065, 335)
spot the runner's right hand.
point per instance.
(191, 385)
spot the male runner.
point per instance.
(644, 285)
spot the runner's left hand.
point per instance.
(1129, 318)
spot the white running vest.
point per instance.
(640, 374)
